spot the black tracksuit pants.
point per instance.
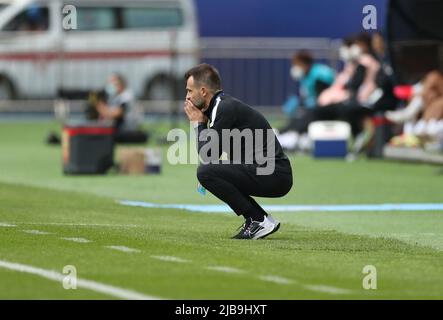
(236, 184)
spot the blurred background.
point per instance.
(90, 90)
(57, 57)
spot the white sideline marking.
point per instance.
(82, 283)
(7, 225)
(80, 224)
(225, 269)
(327, 289)
(38, 232)
(122, 248)
(276, 279)
(80, 240)
(170, 259)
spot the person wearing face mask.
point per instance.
(359, 89)
(118, 107)
(356, 95)
(369, 87)
(338, 92)
(313, 78)
(118, 100)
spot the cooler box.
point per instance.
(88, 148)
(329, 138)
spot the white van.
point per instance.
(150, 42)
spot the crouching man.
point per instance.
(255, 165)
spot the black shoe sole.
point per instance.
(274, 230)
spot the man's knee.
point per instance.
(284, 186)
(204, 173)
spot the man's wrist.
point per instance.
(196, 124)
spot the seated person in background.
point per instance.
(423, 116)
(313, 79)
(338, 92)
(423, 96)
(433, 97)
(366, 91)
(119, 108)
(370, 91)
(294, 135)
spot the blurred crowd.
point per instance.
(365, 89)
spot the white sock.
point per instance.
(420, 127)
(440, 130)
(413, 107)
(408, 128)
(417, 88)
(432, 127)
(409, 112)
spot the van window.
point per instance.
(33, 18)
(100, 18)
(141, 18)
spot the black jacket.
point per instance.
(226, 112)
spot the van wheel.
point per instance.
(160, 88)
(7, 91)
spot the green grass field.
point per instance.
(178, 254)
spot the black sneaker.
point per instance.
(243, 229)
(258, 230)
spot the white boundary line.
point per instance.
(123, 249)
(79, 240)
(170, 259)
(224, 269)
(7, 225)
(36, 232)
(276, 279)
(327, 289)
(75, 224)
(83, 283)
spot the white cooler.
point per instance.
(329, 138)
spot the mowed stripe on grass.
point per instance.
(294, 257)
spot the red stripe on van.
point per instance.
(84, 55)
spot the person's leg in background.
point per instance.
(359, 118)
(432, 87)
(433, 119)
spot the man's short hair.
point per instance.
(304, 57)
(205, 75)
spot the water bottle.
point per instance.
(201, 189)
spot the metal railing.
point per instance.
(255, 70)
